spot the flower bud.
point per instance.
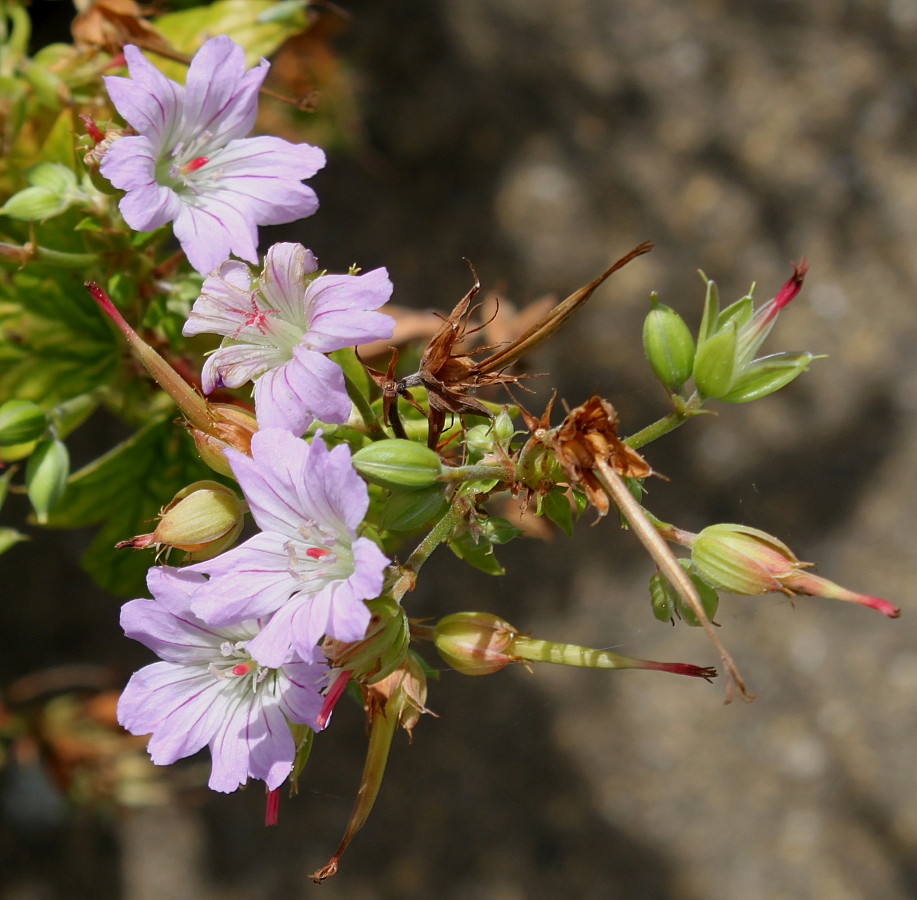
(203, 519)
(398, 464)
(668, 346)
(666, 601)
(21, 421)
(475, 643)
(46, 476)
(715, 363)
(746, 560)
(483, 439)
(231, 427)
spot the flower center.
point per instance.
(234, 662)
(320, 556)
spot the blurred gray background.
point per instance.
(541, 141)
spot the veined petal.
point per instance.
(273, 156)
(268, 479)
(130, 162)
(332, 491)
(148, 101)
(300, 699)
(339, 306)
(225, 301)
(146, 208)
(272, 646)
(309, 386)
(235, 364)
(283, 280)
(221, 98)
(248, 582)
(211, 230)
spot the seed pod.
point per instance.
(398, 464)
(46, 476)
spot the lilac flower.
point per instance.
(191, 163)
(209, 690)
(307, 569)
(278, 330)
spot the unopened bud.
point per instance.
(668, 345)
(475, 643)
(398, 464)
(21, 421)
(231, 427)
(484, 439)
(746, 560)
(46, 476)
(34, 204)
(204, 519)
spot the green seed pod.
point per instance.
(409, 510)
(668, 346)
(667, 601)
(21, 421)
(46, 476)
(715, 363)
(766, 375)
(398, 464)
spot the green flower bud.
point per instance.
(52, 176)
(715, 363)
(668, 346)
(34, 204)
(398, 464)
(409, 510)
(21, 421)
(46, 476)
(667, 601)
(203, 519)
(475, 643)
(482, 439)
(766, 375)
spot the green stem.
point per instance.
(687, 410)
(370, 419)
(571, 655)
(478, 472)
(25, 253)
(439, 533)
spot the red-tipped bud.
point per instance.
(749, 561)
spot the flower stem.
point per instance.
(478, 472)
(685, 411)
(439, 533)
(370, 419)
(24, 253)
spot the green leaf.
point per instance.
(247, 22)
(9, 537)
(479, 554)
(124, 490)
(556, 506)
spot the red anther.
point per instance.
(241, 669)
(195, 164)
(317, 553)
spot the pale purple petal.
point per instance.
(247, 582)
(308, 386)
(224, 302)
(148, 101)
(273, 644)
(340, 310)
(235, 364)
(332, 491)
(283, 280)
(220, 96)
(210, 231)
(130, 162)
(146, 208)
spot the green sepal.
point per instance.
(711, 310)
(9, 537)
(768, 374)
(666, 601)
(303, 737)
(715, 363)
(739, 312)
